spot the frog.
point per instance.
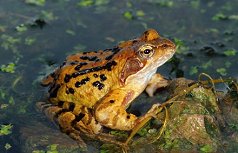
(92, 90)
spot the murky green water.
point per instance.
(35, 38)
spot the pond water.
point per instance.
(37, 35)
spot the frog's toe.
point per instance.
(79, 140)
(156, 82)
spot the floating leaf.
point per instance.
(233, 17)
(206, 149)
(21, 28)
(193, 70)
(128, 15)
(85, 3)
(29, 41)
(219, 16)
(7, 146)
(180, 46)
(227, 64)
(6, 129)
(46, 15)
(101, 2)
(11, 101)
(163, 3)
(207, 64)
(195, 4)
(3, 106)
(214, 30)
(36, 2)
(70, 32)
(230, 52)
(129, 4)
(52, 148)
(79, 47)
(140, 13)
(221, 71)
(9, 42)
(10, 68)
(38, 151)
(2, 28)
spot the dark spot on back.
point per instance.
(97, 60)
(128, 116)
(71, 90)
(115, 50)
(103, 77)
(82, 82)
(84, 57)
(77, 119)
(60, 103)
(52, 75)
(53, 91)
(77, 84)
(73, 63)
(90, 58)
(77, 68)
(93, 58)
(67, 78)
(71, 106)
(108, 49)
(98, 84)
(108, 67)
(75, 74)
(134, 41)
(62, 64)
(95, 75)
(57, 114)
(111, 101)
(109, 57)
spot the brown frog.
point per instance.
(92, 90)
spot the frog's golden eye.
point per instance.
(146, 51)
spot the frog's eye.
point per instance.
(146, 51)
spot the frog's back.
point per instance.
(83, 78)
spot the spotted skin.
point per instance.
(92, 90)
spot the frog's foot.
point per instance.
(157, 81)
(52, 111)
(106, 137)
(76, 136)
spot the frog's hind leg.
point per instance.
(61, 115)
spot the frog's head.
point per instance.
(149, 52)
(154, 50)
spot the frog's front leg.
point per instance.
(157, 81)
(111, 110)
